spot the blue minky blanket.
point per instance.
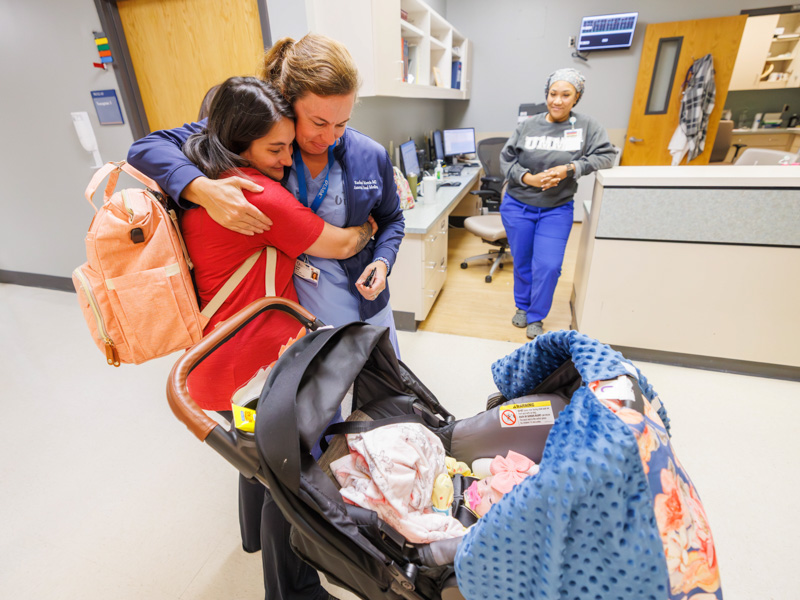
(584, 527)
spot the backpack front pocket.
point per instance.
(150, 311)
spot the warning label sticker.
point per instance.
(526, 415)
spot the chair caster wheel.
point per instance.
(488, 279)
(500, 266)
(463, 265)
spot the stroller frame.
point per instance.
(383, 564)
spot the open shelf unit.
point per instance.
(402, 48)
(769, 53)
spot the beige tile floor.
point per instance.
(103, 494)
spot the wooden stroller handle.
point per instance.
(180, 401)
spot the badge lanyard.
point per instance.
(301, 180)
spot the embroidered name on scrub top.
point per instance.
(302, 187)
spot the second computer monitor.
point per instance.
(438, 145)
(408, 152)
(459, 141)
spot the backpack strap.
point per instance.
(112, 171)
(235, 279)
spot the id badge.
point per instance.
(306, 272)
(573, 138)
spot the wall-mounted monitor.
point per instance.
(607, 32)
(408, 152)
(459, 141)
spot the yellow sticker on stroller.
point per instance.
(527, 415)
(244, 418)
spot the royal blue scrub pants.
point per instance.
(537, 238)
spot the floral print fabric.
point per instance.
(680, 516)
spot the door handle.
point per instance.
(633, 140)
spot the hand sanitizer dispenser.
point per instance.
(83, 127)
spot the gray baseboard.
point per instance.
(404, 321)
(711, 363)
(48, 282)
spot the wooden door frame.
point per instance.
(108, 12)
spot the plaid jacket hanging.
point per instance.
(697, 103)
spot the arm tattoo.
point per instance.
(364, 235)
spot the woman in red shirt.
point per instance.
(249, 134)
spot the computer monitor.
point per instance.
(438, 145)
(459, 141)
(408, 153)
(607, 32)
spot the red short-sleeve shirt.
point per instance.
(217, 253)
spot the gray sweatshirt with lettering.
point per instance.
(537, 145)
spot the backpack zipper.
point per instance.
(112, 356)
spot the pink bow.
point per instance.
(509, 471)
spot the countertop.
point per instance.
(718, 176)
(426, 213)
(767, 130)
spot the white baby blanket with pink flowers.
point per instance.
(391, 470)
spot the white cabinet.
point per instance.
(769, 54)
(420, 270)
(404, 54)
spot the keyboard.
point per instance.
(454, 169)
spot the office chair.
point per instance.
(765, 156)
(493, 179)
(490, 229)
(722, 143)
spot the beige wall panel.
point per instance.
(736, 302)
(180, 48)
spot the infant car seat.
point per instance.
(611, 513)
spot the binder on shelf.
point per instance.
(405, 59)
(455, 79)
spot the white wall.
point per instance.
(46, 55)
(516, 45)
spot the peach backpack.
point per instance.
(136, 289)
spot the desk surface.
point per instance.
(425, 213)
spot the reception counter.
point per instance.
(694, 265)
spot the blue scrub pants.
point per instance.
(537, 238)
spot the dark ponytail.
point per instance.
(243, 110)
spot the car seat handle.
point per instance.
(180, 401)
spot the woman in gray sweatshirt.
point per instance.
(542, 162)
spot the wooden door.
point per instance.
(651, 126)
(181, 48)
